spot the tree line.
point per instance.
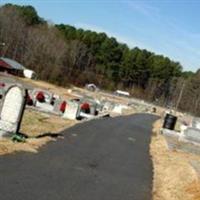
(63, 54)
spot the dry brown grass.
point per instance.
(174, 177)
(64, 92)
(194, 189)
(35, 123)
(103, 95)
(31, 145)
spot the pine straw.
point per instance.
(35, 123)
(174, 177)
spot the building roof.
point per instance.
(4, 64)
(12, 63)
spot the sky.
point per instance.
(168, 27)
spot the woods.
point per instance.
(63, 54)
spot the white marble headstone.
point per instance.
(11, 109)
(72, 110)
(196, 123)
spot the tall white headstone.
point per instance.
(12, 109)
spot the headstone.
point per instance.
(92, 103)
(108, 106)
(196, 123)
(48, 95)
(192, 134)
(72, 110)
(12, 109)
(118, 108)
(93, 109)
(57, 105)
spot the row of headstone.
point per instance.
(74, 108)
(56, 106)
(95, 105)
(190, 133)
(49, 104)
(13, 105)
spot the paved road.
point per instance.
(106, 159)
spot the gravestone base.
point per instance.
(44, 106)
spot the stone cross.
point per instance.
(12, 109)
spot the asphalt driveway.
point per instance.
(105, 159)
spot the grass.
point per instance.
(174, 177)
(34, 124)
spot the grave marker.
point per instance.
(196, 123)
(48, 95)
(72, 110)
(12, 109)
(192, 134)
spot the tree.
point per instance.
(62, 53)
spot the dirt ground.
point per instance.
(34, 124)
(174, 176)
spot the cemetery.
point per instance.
(29, 110)
(96, 109)
(34, 112)
(40, 100)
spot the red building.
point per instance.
(11, 66)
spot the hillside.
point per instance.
(63, 54)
